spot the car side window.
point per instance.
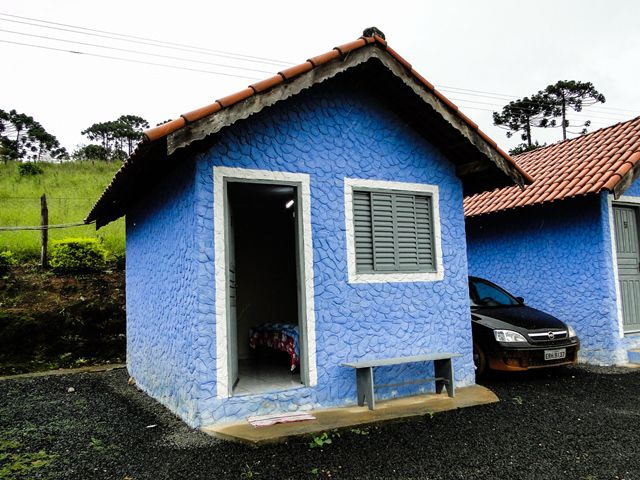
(487, 295)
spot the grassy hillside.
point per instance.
(71, 188)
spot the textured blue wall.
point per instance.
(161, 298)
(331, 132)
(558, 257)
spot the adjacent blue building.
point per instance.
(311, 219)
(569, 243)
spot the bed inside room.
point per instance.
(265, 287)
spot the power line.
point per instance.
(201, 50)
(127, 60)
(468, 107)
(126, 50)
(500, 96)
(140, 40)
(617, 117)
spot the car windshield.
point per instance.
(483, 293)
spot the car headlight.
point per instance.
(572, 332)
(508, 336)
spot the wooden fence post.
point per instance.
(44, 223)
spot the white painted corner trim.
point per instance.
(354, 183)
(302, 180)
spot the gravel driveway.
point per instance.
(567, 423)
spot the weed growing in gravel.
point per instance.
(518, 400)
(360, 431)
(248, 472)
(97, 444)
(321, 440)
(320, 473)
(16, 464)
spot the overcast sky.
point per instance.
(494, 48)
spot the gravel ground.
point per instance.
(566, 423)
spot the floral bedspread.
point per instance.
(279, 336)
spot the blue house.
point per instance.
(569, 243)
(311, 219)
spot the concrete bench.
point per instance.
(442, 362)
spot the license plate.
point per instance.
(555, 354)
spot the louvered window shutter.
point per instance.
(393, 232)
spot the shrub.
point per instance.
(77, 255)
(29, 169)
(7, 260)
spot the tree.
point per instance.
(118, 137)
(131, 128)
(92, 152)
(523, 147)
(521, 116)
(23, 138)
(568, 94)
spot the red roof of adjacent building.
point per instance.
(587, 164)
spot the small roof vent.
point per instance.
(371, 31)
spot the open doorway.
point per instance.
(265, 335)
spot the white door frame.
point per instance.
(305, 289)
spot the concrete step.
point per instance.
(634, 356)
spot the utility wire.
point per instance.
(524, 109)
(140, 40)
(500, 96)
(44, 227)
(127, 60)
(126, 50)
(194, 49)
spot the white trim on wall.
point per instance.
(219, 176)
(354, 183)
(629, 200)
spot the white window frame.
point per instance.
(351, 184)
(222, 335)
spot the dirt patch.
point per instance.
(50, 321)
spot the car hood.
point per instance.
(519, 316)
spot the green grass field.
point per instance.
(71, 188)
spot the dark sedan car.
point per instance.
(508, 335)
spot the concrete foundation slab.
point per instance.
(329, 419)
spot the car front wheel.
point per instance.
(479, 360)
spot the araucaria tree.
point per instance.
(520, 116)
(117, 137)
(567, 95)
(544, 108)
(23, 138)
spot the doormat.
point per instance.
(266, 420)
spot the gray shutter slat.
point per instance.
(363, 231)
(407, 233)
(424, 229)
(384, 249)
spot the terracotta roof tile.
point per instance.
(324, 58)
(163, 130)
(399, 58)
(347, 47)
(297, 70)
(202, 112)
(587, 164)
(235, 97)
(266, 84)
